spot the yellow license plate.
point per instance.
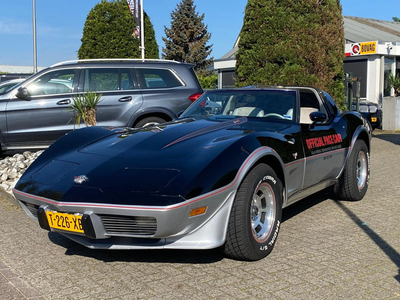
(68, 222)
(373, 119)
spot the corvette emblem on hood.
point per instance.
(81, 178)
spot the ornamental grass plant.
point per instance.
(84, 107)
(394, 82)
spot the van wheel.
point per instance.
(150, 121)
(255, 217)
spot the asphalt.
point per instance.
(326, 249)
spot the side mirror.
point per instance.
(317, 116)
(23, 93)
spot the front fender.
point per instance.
(71, 141)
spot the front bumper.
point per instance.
(108, 226)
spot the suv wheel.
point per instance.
(149, 122)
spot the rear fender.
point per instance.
(361, 133)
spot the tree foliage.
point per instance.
(186, 39)
(207, 80)
(396, 19)
(108, 33)
(292, 43)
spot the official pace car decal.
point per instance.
(324, 143)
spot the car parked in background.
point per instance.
(5, 86)
(135, 93)
(371, 111)
(218, 176)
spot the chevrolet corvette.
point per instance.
(216, 177)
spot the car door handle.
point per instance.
(290, 139)
(125, 99)
(64, 102)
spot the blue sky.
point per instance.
(60, 22)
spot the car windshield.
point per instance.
(5, 87)
(274, 104)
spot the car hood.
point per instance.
(176, 139)
(158, 165)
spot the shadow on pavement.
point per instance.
(393, 138)
(148, 256)
(385, 247)
(306, 203)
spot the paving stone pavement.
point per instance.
(326, 250)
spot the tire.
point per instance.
(353, 183)
(149, 121)
(255, 217)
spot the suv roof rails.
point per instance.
(112, 59)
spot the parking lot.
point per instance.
(326, 249)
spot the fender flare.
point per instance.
(361, 130)
(257, 156)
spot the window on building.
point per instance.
(397, 66)
(228, 79)
(388, 69)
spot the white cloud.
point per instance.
(11, 26)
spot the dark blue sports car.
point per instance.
(218, 176)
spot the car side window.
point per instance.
(101, 79)
(126, 80)
(157, 78)
(107, 79)
(56, 82)
(309, 103)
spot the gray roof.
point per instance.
(364, 30)
(230, 54)
(18, 69)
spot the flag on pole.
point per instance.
(135, 11)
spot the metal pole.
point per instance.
(141, 29)
(34, 37)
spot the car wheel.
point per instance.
(256, 215)
(354, 181)
(149, 122)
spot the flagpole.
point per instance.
(141, 29)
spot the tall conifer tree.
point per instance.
(186, 39)
(108, 33)
(289, 42)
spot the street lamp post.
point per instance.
(34, 37)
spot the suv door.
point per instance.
(120, 97)
(44, 116)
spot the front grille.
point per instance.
(129, 225)
(32, 208)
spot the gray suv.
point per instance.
(135, 93)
